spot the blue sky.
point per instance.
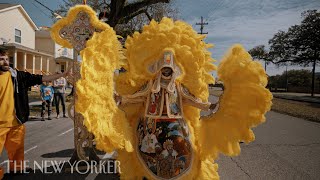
(248, 22)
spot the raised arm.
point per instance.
(191, 100)
(138, 97)
(55, 76)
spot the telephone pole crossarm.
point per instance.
(202, 24)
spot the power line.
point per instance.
(202, 24)
(41, 10)
(44, 6)
(56, 15)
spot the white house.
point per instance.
(28, 45)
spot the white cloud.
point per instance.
(248, 22)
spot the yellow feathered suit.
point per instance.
(242, 106)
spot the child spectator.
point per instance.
(46, 91)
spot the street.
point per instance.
(285, 148)
(154, 58)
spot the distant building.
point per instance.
(62, 56)
(30, 48)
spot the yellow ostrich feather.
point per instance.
(101, 57)
(71, 16)
(95, 93)
(190, 54)
(243, 105)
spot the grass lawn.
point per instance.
(309, 111)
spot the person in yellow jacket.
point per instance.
(14, 109)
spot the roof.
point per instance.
(4, 5)
(18, 46)
(7, 7)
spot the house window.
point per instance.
(65, 52)
(17, 35)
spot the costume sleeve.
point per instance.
(192, 100)
(242, 106)
(139, 96)
(126, 100)
(30, 79)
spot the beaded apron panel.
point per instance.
(164, 147)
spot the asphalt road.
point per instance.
(285, 148)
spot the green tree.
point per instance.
(260, 53)
(124, 15)
(278, 48)
(296, 78)
(300, 44)
(155, 12)
(277, 81)
(299, 78)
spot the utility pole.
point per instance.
(287, 82)
(202, 24)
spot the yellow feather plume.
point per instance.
(243, 105)
(95, 93)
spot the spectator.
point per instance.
(46, 92)
(59, 86)
(14, 109)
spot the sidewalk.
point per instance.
(303, 97)
(35, 103)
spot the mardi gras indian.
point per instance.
(164, 147)
(151, 113)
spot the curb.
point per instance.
(300, 99)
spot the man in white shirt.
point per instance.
(59, 86)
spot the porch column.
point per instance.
(67, 63)
(48, 65)
(15, 59)
(41, 64)
(33, 63)
(24, 61)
